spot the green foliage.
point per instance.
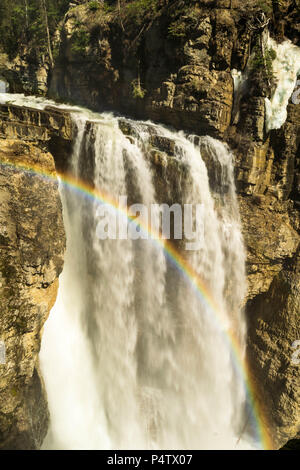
(137, 9)
(94, 5)
(77, 23)
(23, 22)
(265, 6)
(271, 54)
(177, 29)
(263, 63)
(137, 90)
(80, 41)
(184, 23)
(107, 8)
(55, 52)
(14, 392)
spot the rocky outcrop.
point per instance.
(34, 124)
(171, 65)
(159, 75)
(271, 239)
(168, 61)
(274, 327)
(32, 243)
(51, 127)
(27, 73)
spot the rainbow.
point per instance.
(256, 415)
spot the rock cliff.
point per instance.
(32, 244)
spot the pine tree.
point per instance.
(44, 9)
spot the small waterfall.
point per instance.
(286, 68)
(240, 84)
(132, 356)
(3, 86)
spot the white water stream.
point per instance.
(3, 86)
(286, 68)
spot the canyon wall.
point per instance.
(32, 245)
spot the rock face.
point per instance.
(162, 76)
(32, 244)
(51, 128)
(173, 65)
(28, 72)
(33, 124)
(274, 326)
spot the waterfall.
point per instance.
(239, 84)
(158, 361)
(286, 68)
(132, 355)
(3, 85)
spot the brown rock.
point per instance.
(32, 243)
(274, 327)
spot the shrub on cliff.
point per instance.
(94, 5)
(263, 62)
(80, 41)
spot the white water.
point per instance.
(3, 86)
(239, 85)
(132, 357)
(286, 68)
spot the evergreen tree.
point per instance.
(29, 22)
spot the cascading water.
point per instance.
(240, 83)
(286, 68)
(3, 85)
(132, 355)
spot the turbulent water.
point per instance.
(133, 357)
